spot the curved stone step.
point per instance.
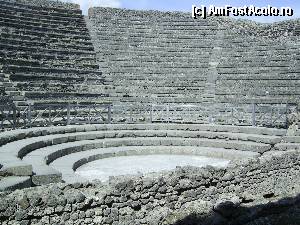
(44, 174)
(287, 146)
(51, 153)
(292, 139)
(14, 183)
(12, 166)
(15, 135)
(23, 147)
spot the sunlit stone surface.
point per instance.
(124, 165)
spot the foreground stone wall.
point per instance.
(242, 193)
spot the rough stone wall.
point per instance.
(235, 195)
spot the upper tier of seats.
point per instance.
(171, 58)
(47, 54)
(153, 56)
(46, 51)
(259, 63)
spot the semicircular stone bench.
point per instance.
(29, 152)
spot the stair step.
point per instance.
(9, 89)
(21, 102)
(14, 183)
(18, 98)
(13, 93)
(7, 83)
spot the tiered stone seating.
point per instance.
(157, 57)
(38, 156)
(153, 56)
(46, 51)
(257, 67)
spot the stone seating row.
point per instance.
(280, 85)
(185, 56)
(42, 30)
(14, 50)
(272, 48)
(257, 70)
(138, 36)
(246, 63)
(42, 23)
(15, 135)
(70, 95)
(88, 58)
(75, 23)
(26, 6)
(84, 46)
(57, 36)
(58, 49)
(45, 73)
(40, 14)
(251, 56)
(61, 87)
(19, 69)
(293, 76)
(50, 5)
(248, 99)
(55, 64)
(142, 20)
(198, 44)
(147, 33)
(266, 91)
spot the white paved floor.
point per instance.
(102, 169)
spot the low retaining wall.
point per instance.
(235, 195)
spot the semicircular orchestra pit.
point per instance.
(142, 164)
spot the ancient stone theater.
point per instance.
(124, 117)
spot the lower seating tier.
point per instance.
(48, 155)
